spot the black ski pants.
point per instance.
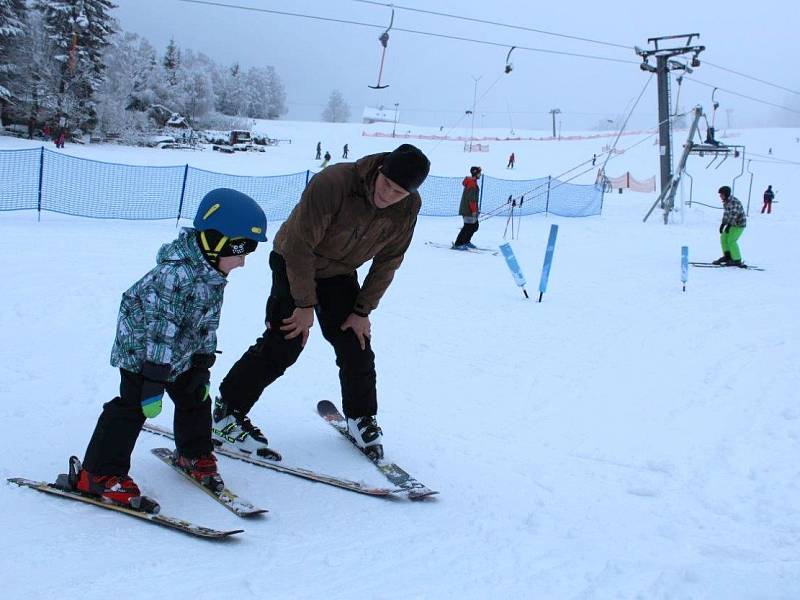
(111, 446)
(466, 233)
(272, 354)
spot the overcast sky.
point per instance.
(432, 78)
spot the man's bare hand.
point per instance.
(299, 323)
(360, 326)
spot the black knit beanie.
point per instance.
(406, 166)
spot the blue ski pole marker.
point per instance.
(548, 260)
(684, 265)
(513, 266)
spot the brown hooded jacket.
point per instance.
(336, 228)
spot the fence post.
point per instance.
(41, 176)
(547, 203)
(183, 192)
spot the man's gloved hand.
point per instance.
(154, 381)
(200, 373)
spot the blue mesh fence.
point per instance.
(88, 188)
(277, 195)
(19, 179)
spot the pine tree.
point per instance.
(337, 110)
(12, 30)
(172, 62)
(78, 31)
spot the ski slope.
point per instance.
(620, 439)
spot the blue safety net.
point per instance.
(47, 180)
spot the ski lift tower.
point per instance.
(665, 62)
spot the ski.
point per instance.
(158, 519)
(476, 250)
(397, 476)
(307, 474)
(227, 498)
(713, 266)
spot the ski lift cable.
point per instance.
(759, 100)
(508, 25)
(413, 31)
(740, 74)
(625, 123)
(775, 159)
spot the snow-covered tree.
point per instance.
(337, 110)
(12, 30)
(276, 95)
(127, 91)
(78, 32)
(172, 63)
(231, 91)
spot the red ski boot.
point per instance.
(115, 489)
(203, 469)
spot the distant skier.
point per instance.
(61, 134)
(769, 196)
(733, 223)
(326, 161)
(468, 209)
(349, 214)
(511, 160)
(594, 159)
(166, 341)
(319, 150)
(345, 150)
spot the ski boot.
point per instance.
(114, 489)
(367, 435)
(723, 260)
(202, 469)
(234, 430)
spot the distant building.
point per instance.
(379, 115)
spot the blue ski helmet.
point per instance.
(233, 214)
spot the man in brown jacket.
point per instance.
(349, 213)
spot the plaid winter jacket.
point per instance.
(734, 213)
(172, 312)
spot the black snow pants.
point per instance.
(272, 354)
(111, 446)
(466, 233)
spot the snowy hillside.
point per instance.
(621, 439)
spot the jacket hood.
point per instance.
(184, 248)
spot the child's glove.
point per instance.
(200, 374)
(721, 228)
(153, 383)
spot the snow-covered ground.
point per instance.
(621, 439)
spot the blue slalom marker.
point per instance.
(684, 265)
(548, 260)
(513, 266)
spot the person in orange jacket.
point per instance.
(468, 209)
